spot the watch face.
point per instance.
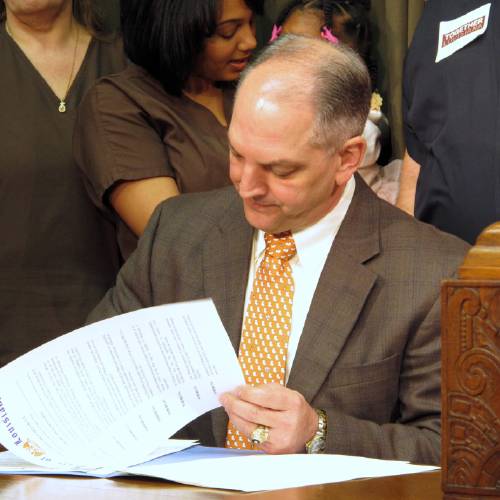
(316, 445)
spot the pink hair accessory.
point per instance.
(276, 33)
(328, 35)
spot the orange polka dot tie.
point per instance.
(268, 319)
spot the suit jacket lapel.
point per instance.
(344, 285)
(226, 257)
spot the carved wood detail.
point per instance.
(471, 381)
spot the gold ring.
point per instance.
(260, 435)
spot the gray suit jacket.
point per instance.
(369, 353)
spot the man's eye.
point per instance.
(234, 155)
(282, 174)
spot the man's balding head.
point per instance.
(332, 79)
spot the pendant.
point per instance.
(62, 107)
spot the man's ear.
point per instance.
(350, 156)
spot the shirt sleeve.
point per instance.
(116, 140)
(413, 145)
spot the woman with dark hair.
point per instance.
(348, 22)
(160, 127)
(57, 257)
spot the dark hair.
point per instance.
(355, 23)
(165, 37)
(86, 12)
(333, 79)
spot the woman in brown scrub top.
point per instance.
(57, 255)
(160, 127)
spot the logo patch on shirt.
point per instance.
(459, 32)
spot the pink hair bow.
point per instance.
(328, 35)
(276, 33)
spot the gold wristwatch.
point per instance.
(317, 444)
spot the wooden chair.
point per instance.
(470, 326)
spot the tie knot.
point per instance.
(280, 246)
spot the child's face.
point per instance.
(309, 22)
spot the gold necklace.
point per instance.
(62, 102)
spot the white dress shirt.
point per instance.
(313, 245)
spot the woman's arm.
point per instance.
(135, 201)
(408, 184)
(121, 154)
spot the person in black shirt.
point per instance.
(451, 117)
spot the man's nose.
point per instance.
(251, 182)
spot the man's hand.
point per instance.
(291, 420)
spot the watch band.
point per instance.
(317, 444)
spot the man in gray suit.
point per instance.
(363, 361)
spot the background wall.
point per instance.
(394, 22)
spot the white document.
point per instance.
(243, 470)
(100, 399)
(12, 464)
(253, 471)
(112, 393)
(459, 32)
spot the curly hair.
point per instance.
(355, 22)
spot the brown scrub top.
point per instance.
(57, 255)
(129, 128)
